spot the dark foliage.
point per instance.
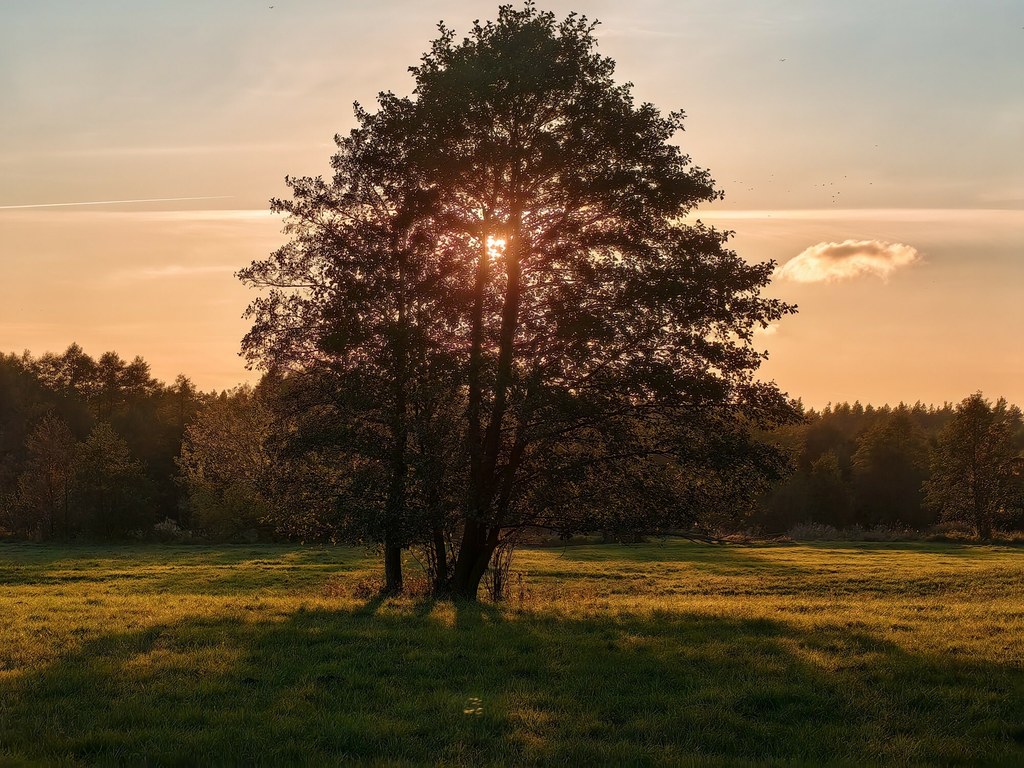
(512, 239)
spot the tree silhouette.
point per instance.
(112, 488)
(46, 487)
(543, 210)
(889, 467)
(224, 463)
(975, 470)
(362, 295)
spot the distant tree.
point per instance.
(181, 402)
(46, 486)
(889, 466)
(137, 380)
(975, 470)
(22, 402)
(224, 464)
(112, 488)
(72, 372)
(75, 389)
(830, 432)
(109, 394)
(829, 496)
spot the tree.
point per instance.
(591, 300)
(889, 467)
(356, 299)
(73, 372)
(224, 463)
(46, 487)
(975, 469)
(563, 290)
(828, 498)
(112, 487)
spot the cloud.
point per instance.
(829, 262)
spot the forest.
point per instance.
(96, 449)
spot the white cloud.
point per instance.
(829, 262)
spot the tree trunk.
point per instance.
(474, 557)
(465, 580)
(440, 561)
(466, 585)
(395, 505)
(392, 569)
(480, 534)
(473, 532)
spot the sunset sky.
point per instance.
(875, 149)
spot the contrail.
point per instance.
(116, 202)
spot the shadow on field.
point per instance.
(186, 570)
(725, 559)
(969, 550)
(471, 685)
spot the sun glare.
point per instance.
(495, 246)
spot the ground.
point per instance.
(656, 654)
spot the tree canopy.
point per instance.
(976, 471)
(514, 236)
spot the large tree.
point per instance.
(581, 309)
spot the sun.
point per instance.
(495, 247)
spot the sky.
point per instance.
(874, 150)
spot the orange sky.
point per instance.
(883, 164)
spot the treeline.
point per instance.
(89, 447)
(99, 449)
(902, 468)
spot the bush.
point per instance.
(168, 531)
(822, 532)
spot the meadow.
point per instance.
(670, 653)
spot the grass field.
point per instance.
(669, 654)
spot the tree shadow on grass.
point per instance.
(724, 559)
(148, 569)
(971, 550)
(470, 684)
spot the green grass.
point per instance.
(670, 654)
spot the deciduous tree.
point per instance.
(47, 485)
(975, 469)
(546, 213)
